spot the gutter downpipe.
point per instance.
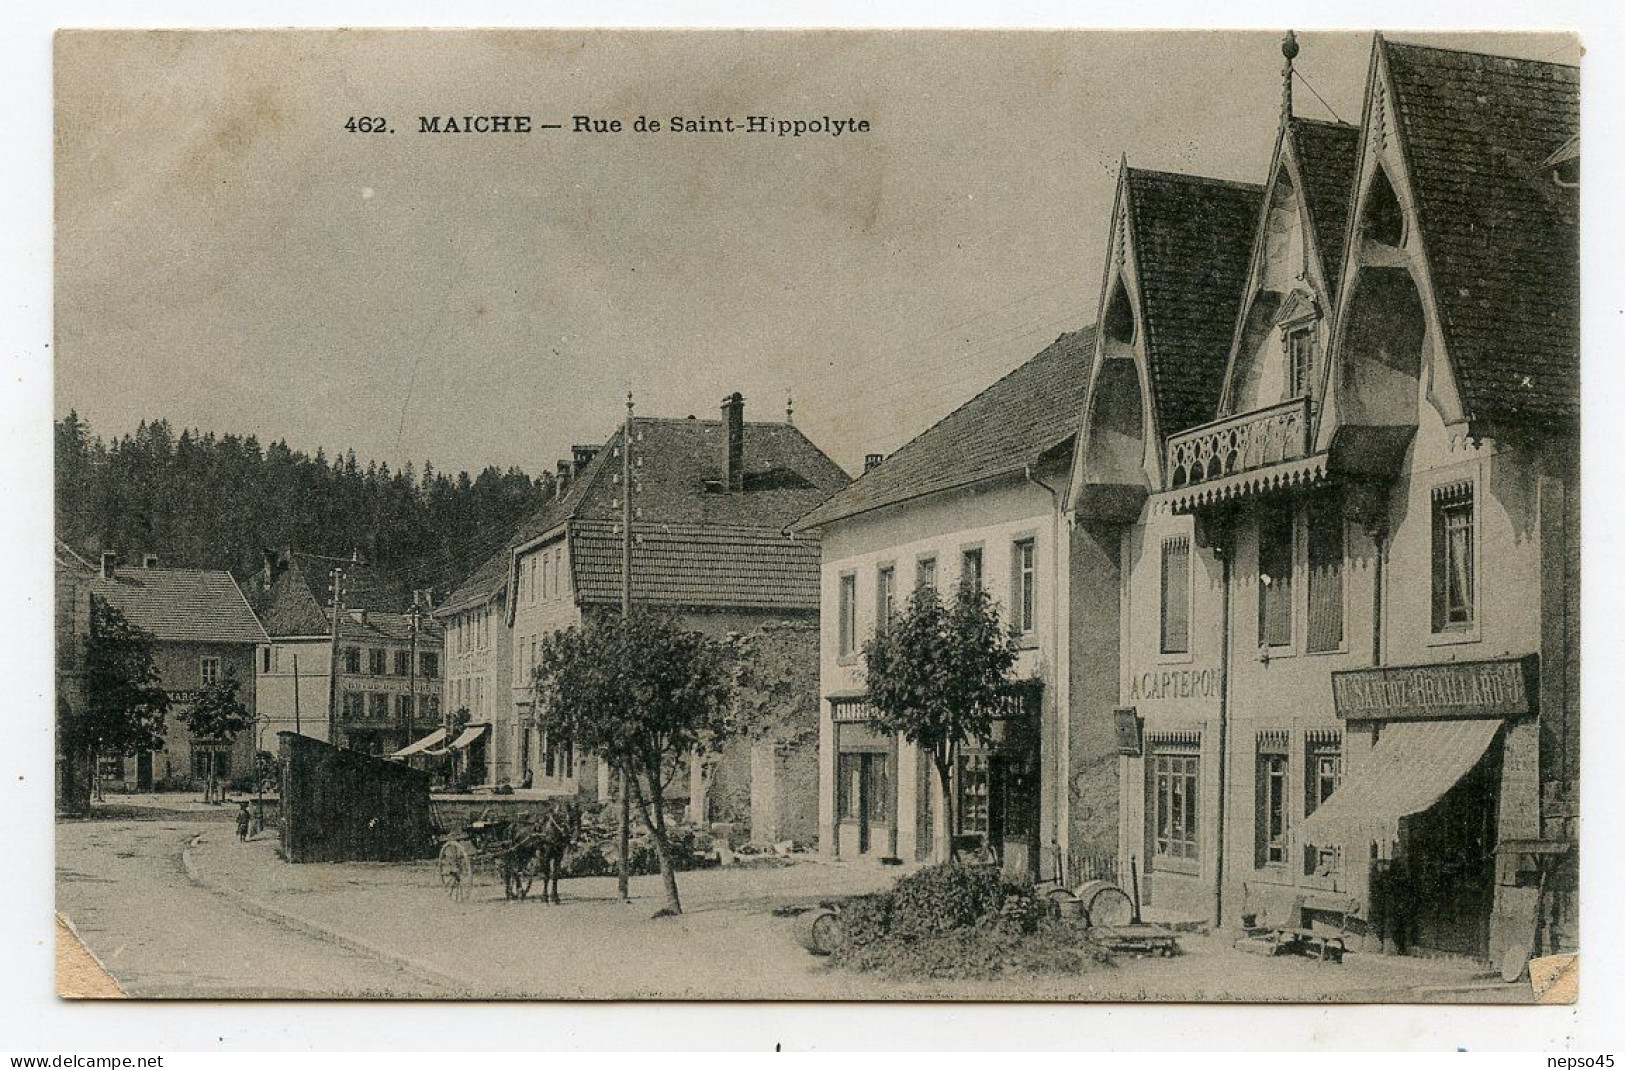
(1063, 741)
(1226, 554)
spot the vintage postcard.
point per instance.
(908, 515)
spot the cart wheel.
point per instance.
(457, 870)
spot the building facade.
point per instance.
(377, 688)
(974, 499)
(203, 631)
(1349, 619)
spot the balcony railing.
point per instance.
(1239, 443)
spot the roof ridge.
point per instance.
(1390, 42)
(1208, 180)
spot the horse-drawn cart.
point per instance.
(517, 849)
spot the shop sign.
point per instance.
(1174, 684)
(183, 696)
(1500, 688)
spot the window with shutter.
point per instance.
(1325, 523)
(1275, 576)
(1176, 588)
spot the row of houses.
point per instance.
(1291, 538)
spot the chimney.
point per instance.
(580, 457)
(871, 461)
(733, 458)
(109, 564)
(149, 560)
(561, 479)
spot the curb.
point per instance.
(457, 983)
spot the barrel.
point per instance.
(819, 931)
(1105, 903)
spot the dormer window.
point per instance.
(1300, 360)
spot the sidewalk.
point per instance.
(728, 944)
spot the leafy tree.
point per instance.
(643, 693)
(936, 675)
(124, 707)
(216, 718)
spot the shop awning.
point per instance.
(422, 745)
(1413, 764)
(469, 735)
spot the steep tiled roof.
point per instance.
(1328, 154)
(676, 493)
(1501, 238)
(697, 566)
(182, 604)
(301, 591)
(1193, 237)
(1007, 426)
(397, 626)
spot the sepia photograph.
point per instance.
(820, 515)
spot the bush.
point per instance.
(979, 953)
(949, 896)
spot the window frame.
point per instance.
(925, 565)
(846, 616)
(1444, 498)
(1185, 652)
(1024, 584)
(1282, 512)
(208, 670)
(1165, 764)
(885, 594)
(1273, 803)
(973, 552)
(1333, 502)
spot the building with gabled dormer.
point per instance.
(1348, 685)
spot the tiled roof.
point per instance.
(1193, 238)
(697, 566)
(301, 589)
(676, 494)
(1007, 426)
(396, 626)
(182, 604)
(1328, 154)
(1501, 237)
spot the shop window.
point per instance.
(1453, 564)
(352, 659)
(1174, 798)
(847, 617)
(1024, 584)
(200, 763)
(1176, 595)
(861, 786)
(1322, 774)
(1325, 537)
(975, 812)
(1275, 576)
(970, 568)
(1270, 811)
(885, 596)
(925, 573)
(209, 670)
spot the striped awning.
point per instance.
(1287, 475)
(431, 740)
(1413, 764)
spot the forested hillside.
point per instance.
(207, 501)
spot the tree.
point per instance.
(216, 718)
(642, 693)
(937, 674)
(124, 707)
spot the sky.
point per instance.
(230, 258)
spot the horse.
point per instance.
(540, 850)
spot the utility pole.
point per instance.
(297, 729)
(337, 596)
(414, 616)
(623, 877)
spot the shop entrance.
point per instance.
(998, 811)
(1450, 851)
(863, 795)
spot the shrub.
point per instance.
(980, 953)
(949, 896)
(866, 919)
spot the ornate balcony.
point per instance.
(1238, 444)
